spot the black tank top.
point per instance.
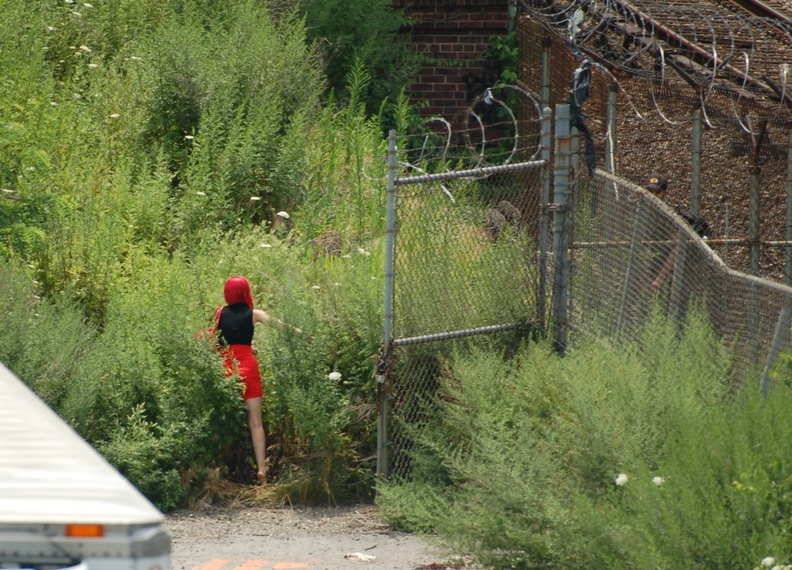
(236, 324)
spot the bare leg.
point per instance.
(257, 435)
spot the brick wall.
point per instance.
(453, 34)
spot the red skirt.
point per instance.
(239, 359)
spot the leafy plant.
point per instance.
(613, 457)
(148, 151)
(362, 33)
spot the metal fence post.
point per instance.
(753, 249)
(574, 166)
(383, 394)
(610, 137)
(676, 307)
(545, 94)
(695, 163)
(560, 231)
(779, 340)
(544, 217)
(789, 210)
(753, 220)
(631, 278)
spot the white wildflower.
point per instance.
(768, 562)
(621, 479)
(7, 190)
(267, 245)
(284, 215)
(315, 287)
(362, 251)
(658, 481)
(346, 256)
(77, 14)
(135, 58)
(69, 2)
(93, 65)
(334, 376)
(189, 137)
(115, 116)
(200, 193)
(86, 49)
(255, 198)
(87, 5)
(52, 29)
(53, 104)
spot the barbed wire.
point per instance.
(699, 46)
(501, 125)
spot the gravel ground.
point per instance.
(339, 538)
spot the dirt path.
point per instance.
(263, 538)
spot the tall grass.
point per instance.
(145, 151)
(613, 457)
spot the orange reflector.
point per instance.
(85, 530)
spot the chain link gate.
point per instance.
(472, 266)
(465, 255)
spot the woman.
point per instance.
(235, 323)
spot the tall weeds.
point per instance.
(146, 150)
(613, 457)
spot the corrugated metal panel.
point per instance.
(49, 474)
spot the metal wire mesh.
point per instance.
(466, 267)
(623, 237)
(464, 281)
(469, 266)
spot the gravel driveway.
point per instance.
(263, 538)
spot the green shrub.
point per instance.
(221, 120)
(343, 193)
(365, 33)
(613, 457)
(142, 452)
(133, 135)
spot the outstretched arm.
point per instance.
(264, 317)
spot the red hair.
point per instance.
(237, 290)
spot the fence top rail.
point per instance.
(470, 172)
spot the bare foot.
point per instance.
(261, 476)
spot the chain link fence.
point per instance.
(633, 254)
(473, 267)
(466, 262)
(498, 237)
(467, 275)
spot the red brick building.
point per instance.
(453, 34)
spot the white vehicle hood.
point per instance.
(49, 474)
